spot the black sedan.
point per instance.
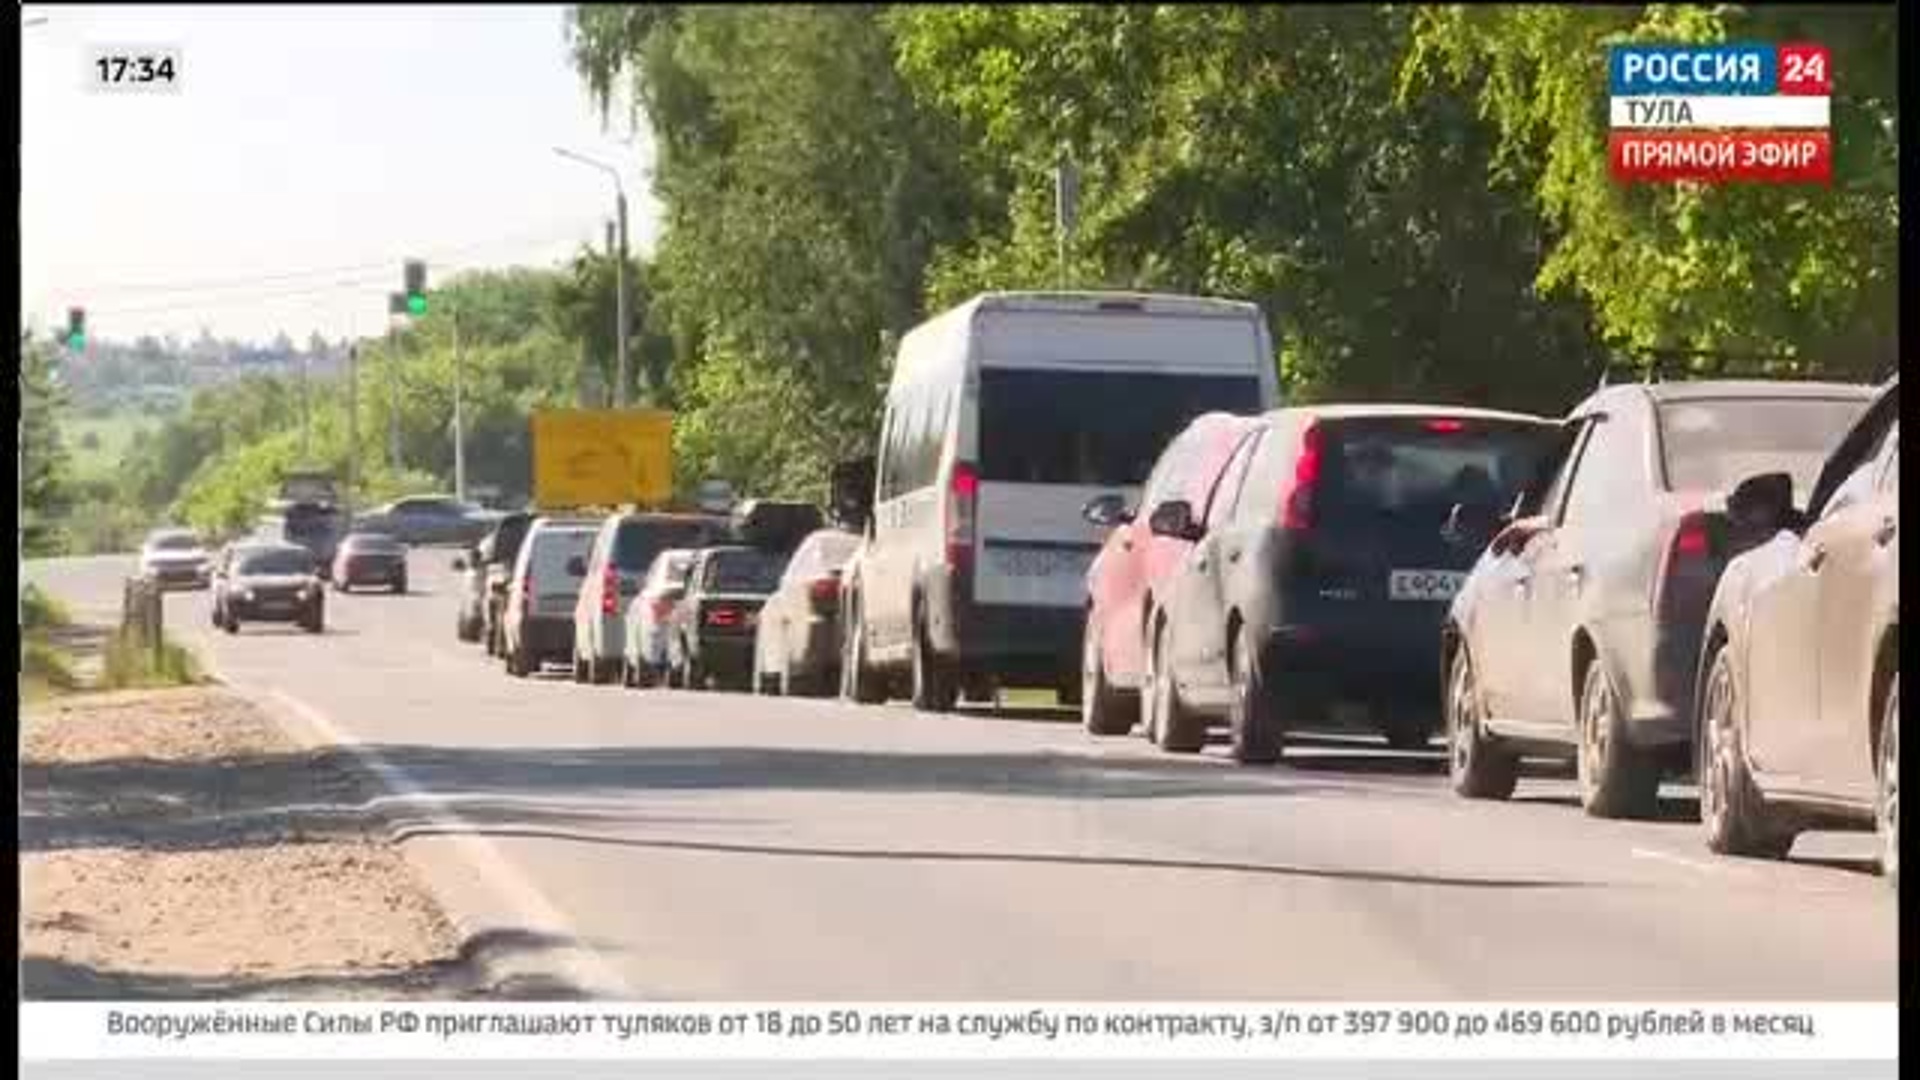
(268, 582)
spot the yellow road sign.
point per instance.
(601, 457)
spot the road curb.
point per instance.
(514, 939)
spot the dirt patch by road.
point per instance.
(177, 844)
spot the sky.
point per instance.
(306, 152)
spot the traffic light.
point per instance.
(76, 328)
(416, 274)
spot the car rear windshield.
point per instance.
(834, 551)
(174, 542)
(552, 548)
(743, 571)
(1712, 444)
(373, 543)
(672, 569)
(508, 537)
(1100, 428)
(1413, 471)
(279, 561)
(639, 540)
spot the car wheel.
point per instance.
(400, 585)
(1258, 735)
(233, 624)
(790, 686)
(580, 672)
(1617, 779)
(1732, 810)
(517, 661)
(1478, 767)
(315, 623)
(858, 683)
(1176, 730)
(1887, 792)
(934, 687)
(1103, 710)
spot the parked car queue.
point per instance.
(1062, 496)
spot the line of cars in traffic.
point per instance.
(1102, 494)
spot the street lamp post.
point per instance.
(619, 273)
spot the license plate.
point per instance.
(1038, 562)
(1424, 584)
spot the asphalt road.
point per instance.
(727, 847)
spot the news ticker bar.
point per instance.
(1754, 1032)
(1776, 157)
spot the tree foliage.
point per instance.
(44, 482)
(1792, 271)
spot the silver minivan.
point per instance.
(537, 627)
(623, 548)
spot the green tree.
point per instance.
(44, 495)
(1806, 273)
(804, 192)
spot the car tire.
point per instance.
(315, 623)
(934, 687)
(1256, 725)
(1733, 812)
(1616, 778)
(400, 585)
(233, 624)
(858, 683)
(580, 673)
(517, 662)
(1103, 709)
(1177, 730)
(1886, 803)
(1478, 766)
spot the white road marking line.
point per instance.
(525, 901)
(1678, 860)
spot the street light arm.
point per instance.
(618, 186)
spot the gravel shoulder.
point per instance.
(177, 844)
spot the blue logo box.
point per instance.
(1693, 70)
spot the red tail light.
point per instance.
(609, 591)
(1446, 426)
(963, 494)
(723, 616)
(1687, 566)
(824, 590)
(1297, 514)
(1692, 540)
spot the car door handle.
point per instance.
(1814, 558)
(1884, 535)
(1199, 564)
(1233, 556)
(1576, 574)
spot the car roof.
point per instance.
(262, 547)
(1698, 389)
(1387, 410)
(162, 534)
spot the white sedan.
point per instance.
(175, 557)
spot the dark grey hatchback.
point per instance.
(1579, 631)
(1321, 566)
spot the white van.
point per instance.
(1004, 417)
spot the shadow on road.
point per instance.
(469, 827)
(462, 977)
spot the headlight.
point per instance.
(246, 596)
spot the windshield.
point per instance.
(552, 549)
(833, 551)
(1092, 427)
(174, 542)
(639, 540)
(670, 569)
(277, 561)
(373, 543)
(1413, 472)
(743, 572)
(1712, 444)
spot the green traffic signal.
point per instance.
(76, 342)
(416, 304)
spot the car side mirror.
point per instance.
(1174, 519)
(577, 566)
(460, 564)
(1517, 534)
(1762, 504)
(1107, 511)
